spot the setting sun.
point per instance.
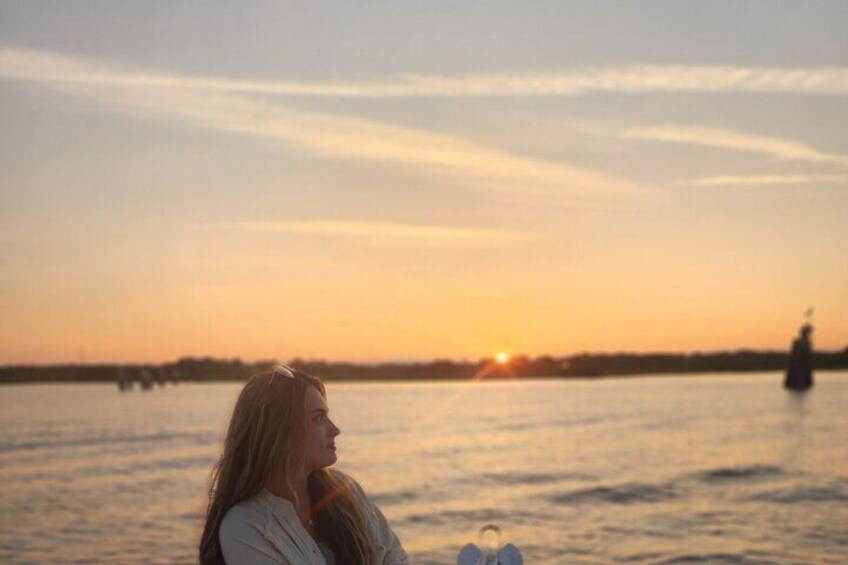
(502, 357)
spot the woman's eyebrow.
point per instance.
(322, 410)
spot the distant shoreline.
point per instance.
(366, 380)
(581, 366)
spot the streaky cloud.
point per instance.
(471, 164)
(383, 233)
(766, 180)
(778, 148)
(635, 78)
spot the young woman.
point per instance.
(273, 499)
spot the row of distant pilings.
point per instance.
(147, 377)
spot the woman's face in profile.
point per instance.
(321, 432)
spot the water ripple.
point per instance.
(630, 493)
(750, 472)
(536, 478)
(478, 516)
(64, 443)
(715, 559)
(828, 493)
(392, 498)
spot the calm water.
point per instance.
(711, 469)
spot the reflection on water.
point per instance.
(711, 469)
(797, 403)
(795, 428)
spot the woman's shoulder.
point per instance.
(245, 516)
(252, 531)
(253, 513)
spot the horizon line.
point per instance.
(419, 361)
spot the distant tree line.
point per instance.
(582, 365)
(593, 365)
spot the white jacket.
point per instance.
(265, 530)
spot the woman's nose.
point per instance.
(334, 431)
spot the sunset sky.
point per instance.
(417, 180)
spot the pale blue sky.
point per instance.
(414, 180)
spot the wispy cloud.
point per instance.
(332, 135)
(770, 180)
(734, 140)
(639, 78)
(384, 233)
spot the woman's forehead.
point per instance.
(314, 400)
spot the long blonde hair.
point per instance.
(265, 440)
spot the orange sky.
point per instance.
(363, 192)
